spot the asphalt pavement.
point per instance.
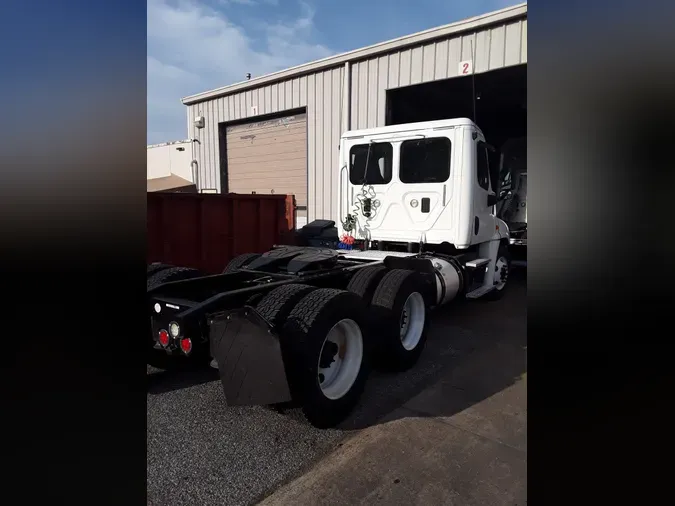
(203, 452)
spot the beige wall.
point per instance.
(166, 159)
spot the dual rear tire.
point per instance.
(398, 302)
(329, 338)
(324, 347)
(240, 261)
(400, 308)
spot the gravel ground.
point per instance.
(201, 452)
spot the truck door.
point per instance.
(484, 219)
(424, 171)
(369, 170)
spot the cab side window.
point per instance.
(482, 166)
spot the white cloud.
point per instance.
(248, 2)
(193, 47)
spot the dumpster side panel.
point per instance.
(206, 231)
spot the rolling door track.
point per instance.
(270, 157)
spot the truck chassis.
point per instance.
(305, 324)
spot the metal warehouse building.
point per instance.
(280, 132)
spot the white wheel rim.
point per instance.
(339, 376)
(501, 273)
(412, 320)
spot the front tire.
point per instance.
(327, 354)
(501, 274)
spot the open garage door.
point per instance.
(499, 109)
(269, 157)
(500, 105)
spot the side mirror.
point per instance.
(492, 199)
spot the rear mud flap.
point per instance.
(249, 359)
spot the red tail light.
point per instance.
(164, 338)
(186, 345)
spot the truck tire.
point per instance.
(502, 269)
(276, 305)
(326, 354)
(364, 282)
(156, 267)
(240, 261)
(400, 305)
(172, 274)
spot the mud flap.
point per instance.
(249, 359)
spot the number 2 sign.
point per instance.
(465, 68)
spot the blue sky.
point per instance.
(197, 45)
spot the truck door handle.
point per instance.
(426, 204)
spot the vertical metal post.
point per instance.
(347, 98)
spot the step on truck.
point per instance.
(415, 228)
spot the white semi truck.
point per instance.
(416, 212)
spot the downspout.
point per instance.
(195, 174)
(194, 164)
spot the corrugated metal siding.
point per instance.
(322, 94)
(494, 48)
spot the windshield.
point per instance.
(379, 162)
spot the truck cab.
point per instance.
(419, 183)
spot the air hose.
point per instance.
(365, 205)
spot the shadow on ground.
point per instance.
(238, 455)
(479, 348)
(160, 382)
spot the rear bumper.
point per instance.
(161, 320)
(249, 358)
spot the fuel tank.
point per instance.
(449, 280)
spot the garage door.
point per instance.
(269, 157)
